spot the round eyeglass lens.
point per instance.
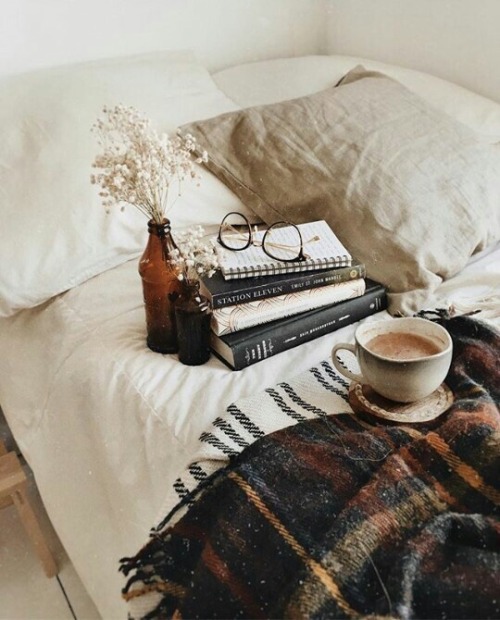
(235, 232)
(282, 242)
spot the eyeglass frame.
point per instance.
(300, 257)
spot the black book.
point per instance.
(249, 346)
(222, 292)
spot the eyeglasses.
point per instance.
(281, 241)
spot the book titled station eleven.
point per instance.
(323, 249)
(242, 316)
(221, 292)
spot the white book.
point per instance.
(235, 318)
(323, 248)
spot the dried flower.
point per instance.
(138, 165)
(194, 257)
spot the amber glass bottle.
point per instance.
(161, 288)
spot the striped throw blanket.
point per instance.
(340, 516)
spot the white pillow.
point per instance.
(55, 233)
(271, 81)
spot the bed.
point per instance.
(108, 426)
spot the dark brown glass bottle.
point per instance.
(193, 314)
(161, 288)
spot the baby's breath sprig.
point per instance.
(194, 256)
(137, 165)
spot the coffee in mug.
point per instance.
(402, 345)
(403, 359)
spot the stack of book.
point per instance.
(262, 307)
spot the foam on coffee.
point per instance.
(402, 346)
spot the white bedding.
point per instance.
(108, 425)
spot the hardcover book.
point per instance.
(241, 349)
(221, 292)
(241, 316)
(323, 248)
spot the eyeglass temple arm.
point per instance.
(295, 245)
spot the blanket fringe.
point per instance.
(488, 305)
(436, 314)
(146, 555)
(190, 497)
(444, 314)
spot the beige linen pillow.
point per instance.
(407, 189)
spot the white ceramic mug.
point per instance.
(408, 361)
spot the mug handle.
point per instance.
(345, 371)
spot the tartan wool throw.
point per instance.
(347, 517)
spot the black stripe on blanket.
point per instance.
(327, 384)
(245, 421)
(180, 488)
(229, 430)
(197, 472)
(214, 441)
(292, 394)
(334, 376)
(295, 415)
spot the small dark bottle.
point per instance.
(192, 316)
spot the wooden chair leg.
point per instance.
(13, 490)
(32, 527)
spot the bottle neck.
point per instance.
(162, 233)
(159, 230)
(192, 299)
(192, 286)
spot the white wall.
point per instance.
(454, 39)
(457, 40)
(39, 33)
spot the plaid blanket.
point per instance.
(344, 516)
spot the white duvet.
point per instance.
(108, 425)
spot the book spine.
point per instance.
(287, 334)
(236, 318)
(296, 282)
